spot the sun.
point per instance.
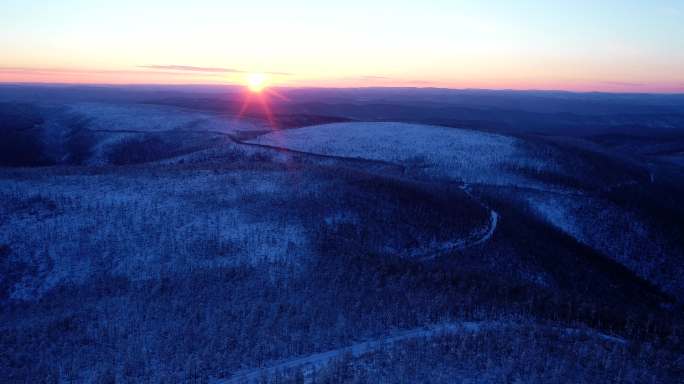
(256, 82)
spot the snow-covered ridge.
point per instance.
(154, 118)
(459, 154)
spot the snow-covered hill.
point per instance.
(458, 154)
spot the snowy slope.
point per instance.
(462, 155)
(139, 225)
(154, 118)
(617, 233)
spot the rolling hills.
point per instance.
(154, 236)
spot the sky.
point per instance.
(607, 45)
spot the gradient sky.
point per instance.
(607, 45)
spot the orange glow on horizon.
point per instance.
(598, 46)
(260, 82)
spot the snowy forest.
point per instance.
(158, 235)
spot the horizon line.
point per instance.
(236, 85)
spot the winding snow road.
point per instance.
(480, 238)
(309, 364)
